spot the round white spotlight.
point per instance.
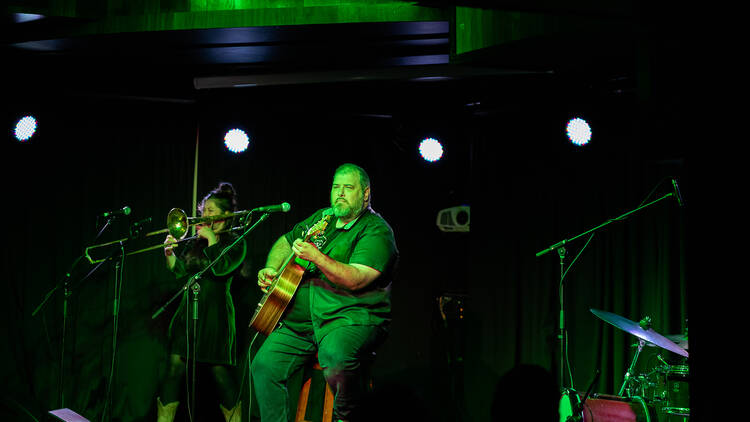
(430, 149)
(236, 140)
(25, 128)
(579, 131)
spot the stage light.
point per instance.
(236, 140)
(26, 17)
(25, 128)
(579, 131)
(430, 149)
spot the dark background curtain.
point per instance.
(507, 158)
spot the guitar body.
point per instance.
(274, 302)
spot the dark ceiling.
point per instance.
(52, 55)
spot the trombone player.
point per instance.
(214, 343)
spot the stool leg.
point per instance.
(328, 404)
(302, 404)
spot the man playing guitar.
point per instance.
(341, 308)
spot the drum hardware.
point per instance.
(629, 373)
(651, 385)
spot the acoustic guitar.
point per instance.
(272, 305)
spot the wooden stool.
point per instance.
(312, 374)
(309, 411)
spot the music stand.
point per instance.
(67, 415)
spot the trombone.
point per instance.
(178, 224)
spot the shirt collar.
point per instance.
(348, 225)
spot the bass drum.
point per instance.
(605, 408)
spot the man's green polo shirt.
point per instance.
(323, 306)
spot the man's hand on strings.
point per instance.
(265, 278)
(306, 250)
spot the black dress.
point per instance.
(216, 333)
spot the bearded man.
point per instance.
(342, 307)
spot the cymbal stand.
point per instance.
(629, 373)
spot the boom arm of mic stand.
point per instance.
(623, 216)
(197, 275)
(62, 282)
(65, 280)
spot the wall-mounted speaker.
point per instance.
(454, 219)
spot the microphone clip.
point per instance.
(136, 229)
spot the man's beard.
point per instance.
(343, 209)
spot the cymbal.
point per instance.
(635, 329)
(679, 339)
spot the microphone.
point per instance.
(677, 192)
(274, 208)
(124, 211)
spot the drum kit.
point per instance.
(662, 393)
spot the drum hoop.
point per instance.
(642, 402)
(678, 369)
(680, 411)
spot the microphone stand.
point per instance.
(196, 288)
(119, 265)
(193, 285)
(562, 333)
(559, 246)
(64, 284)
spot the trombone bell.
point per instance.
(177, 223)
